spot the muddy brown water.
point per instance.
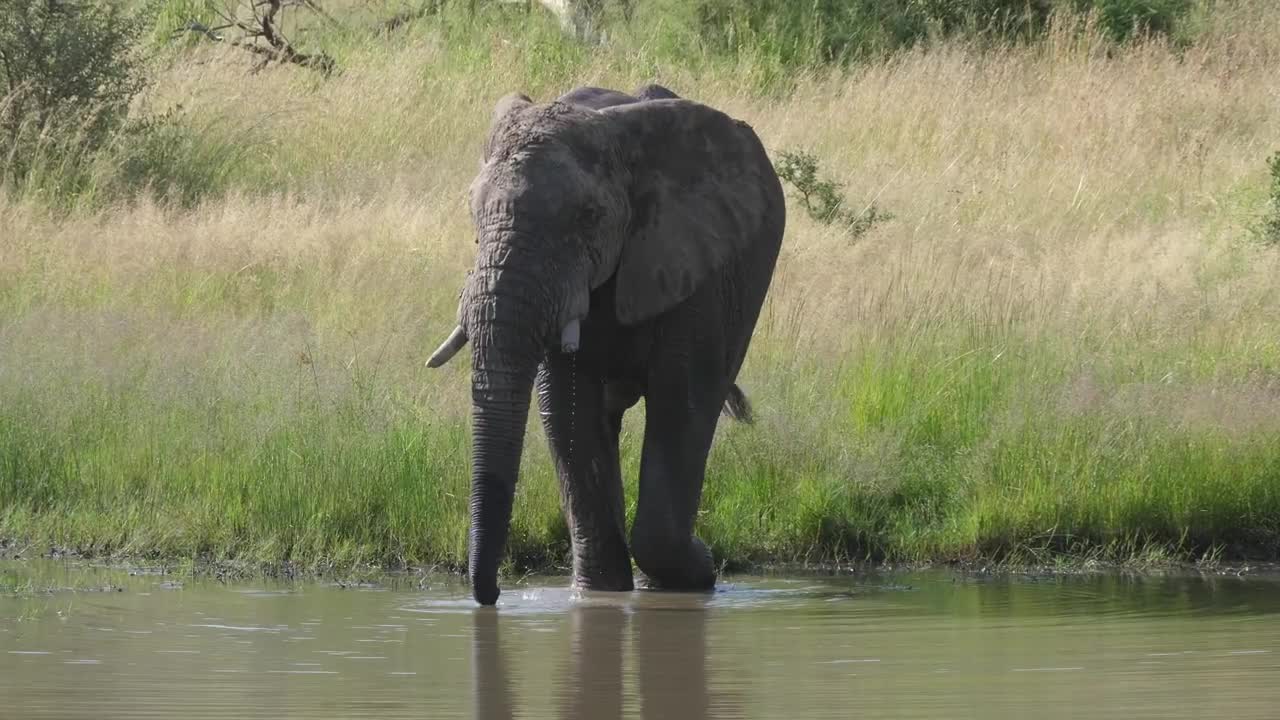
(924, 645)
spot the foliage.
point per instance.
(69, 71)
(1124, 18)
(72, 66)
(1004, 18)
(1270, 227)
(176, 158)
(838, 31)
(821, 196)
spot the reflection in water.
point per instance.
(671, 650)
(592, 685)
(668, 647)
(489, 668)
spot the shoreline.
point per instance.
(235, 571)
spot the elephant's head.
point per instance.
(656, 195)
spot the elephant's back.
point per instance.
(596, 98)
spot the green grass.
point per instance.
(898, 455)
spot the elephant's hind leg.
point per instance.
(679, 428)
(583, 434)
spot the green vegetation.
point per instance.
(213, 322)
(72, 69)
(821, 196)
(69, 70)
(786, 34)
(1270, 228)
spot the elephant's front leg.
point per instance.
(583, 434)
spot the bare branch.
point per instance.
(399, 20)
(264, 25)
(202, 29)
(314, 7)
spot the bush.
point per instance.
(175, 158)
(821, 197)
(820, 32)
(1123, 19)
(1008, 19)
(70, 72)
(792, 34)
(1269, 231)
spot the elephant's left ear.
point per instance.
(702, 191)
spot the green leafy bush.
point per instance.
(70, 70)
(821, 32)
(821, 196)
(1123, 19)
(817, 32)
(175, 158)
(1269, 231)
(1007, 19)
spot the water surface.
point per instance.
(925, 645)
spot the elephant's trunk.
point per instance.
(505, 324)
(497, 441)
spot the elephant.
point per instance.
(626, 244)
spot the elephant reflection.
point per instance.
(489, 669)
(669, 647)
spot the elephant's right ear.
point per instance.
(504, 113)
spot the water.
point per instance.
(927, 645)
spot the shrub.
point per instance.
(817, 32)
(175, 158)
(821, 197)
(1122, 19)
(1000, 18)
(69, 71)
(1269, 231)
(820, 32)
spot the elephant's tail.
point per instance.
(737, 406)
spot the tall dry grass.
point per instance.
(1063, 340)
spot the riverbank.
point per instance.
(26, 571)
(1059, 339)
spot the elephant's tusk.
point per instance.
(448, 348)
(570, 335)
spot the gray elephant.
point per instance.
(626, 244)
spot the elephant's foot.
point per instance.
(683, 566)
(603, 569)
(624, 583)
